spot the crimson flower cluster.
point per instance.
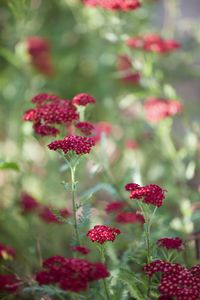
(78, 144)
(39, 50)
(103, 233)
(157, 109)
(83, 99)
(28, 203)
(124, 66)
(6, 251)
(50, 110)
(46, 214)
(153, 43)
(9, 283)
(176, 280)
(70, 274)
(171, 243)
(86, 128)
(129, 218)
(114, 206)
(150, 194)
(121, 5)
(81, 249)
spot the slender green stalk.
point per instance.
(103, 260)
(73, 169)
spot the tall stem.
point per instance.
(104, 280)
(73, 169)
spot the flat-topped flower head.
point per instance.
(83, 99)
(9, 283)
(70, 274)
(114, 207)
(85, 127)
(129, 218)
(7, 252)
(28, 203)
(102, 234)
(162, 266)
(171, 243)
(79, 144)
(158, 109)
(81, 249)
(120, 5)
(150, 194)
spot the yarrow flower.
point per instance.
(123, 5)
(176, 280)
(150, 194)
(70, 274)
(50, 110)
(171, 243)
(81, 249)
(126, 74)
(85, 127)
(103, 233)
(28, 203)
(115, 206)
(46, 214)
(39, 50)
(129, 218)
(153, 43)
(83, 99)
(7, 252)
(158, 109)
(9, 283)
(78, 144)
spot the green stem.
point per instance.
(73, 169)
(103, 260)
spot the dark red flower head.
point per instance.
(171, 243)
(129, 218)
(115, 206)
(7, 252)
(81, 249)
(28, 203)
(78, 144)
(103, 233)
(46, 214)
(163, 267)
(83, 99)
(150, 194)
(9, 283)
(70, 274)
(85, 127)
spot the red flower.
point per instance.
(124, 66)
(9, 283)
(114, 206)
(39, 51)
(102, 234)
(159, 109)
(7, 252)
(48, 216)
(83, 99)
(153, 43)
(71, 274)
(28, 203)
(150, 194)
(123, 5)
(78, 144)
(131, 144)
(130, 218)
(100, 129)
(50, 110)
(163, 267)
(171, 243)
(85, 127)
(81, 249)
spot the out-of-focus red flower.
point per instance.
(101, 128)
(46, 214)
(86, 128)
(39, 51)
(129, 218)
(70, 274)
(153, 43)
(7, 252)
(131, 144)
(157, 109)
(125, 68)
(81, 249)
(122, 5)
(150, 194)
(79, 144)
(9, 283)
(171, 243)
(115, 206)
(102, 234)
(83, 99)
(28, 203)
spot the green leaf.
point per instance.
(100, 186)
(128, 278)
(8, 166)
